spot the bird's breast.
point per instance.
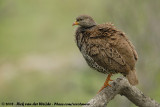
(84, 47)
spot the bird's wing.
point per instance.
(102, 52)
(114, 55)
(111, 45)
(133, 49)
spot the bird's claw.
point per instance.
(106, 83)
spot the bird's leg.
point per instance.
(106, 83)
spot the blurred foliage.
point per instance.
(39, 60)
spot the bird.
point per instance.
(106, 49)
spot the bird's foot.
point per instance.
(106, 83)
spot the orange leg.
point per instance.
(106, 83)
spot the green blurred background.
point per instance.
(39, 60)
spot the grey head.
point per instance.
(84, 21)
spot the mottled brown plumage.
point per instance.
(105, 48)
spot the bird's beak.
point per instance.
(75, 23)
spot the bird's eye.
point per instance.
(79, 19)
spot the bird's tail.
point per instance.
(132, 77)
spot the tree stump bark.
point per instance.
(121, 86)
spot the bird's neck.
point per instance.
(87, 27)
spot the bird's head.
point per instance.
(84, 21)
